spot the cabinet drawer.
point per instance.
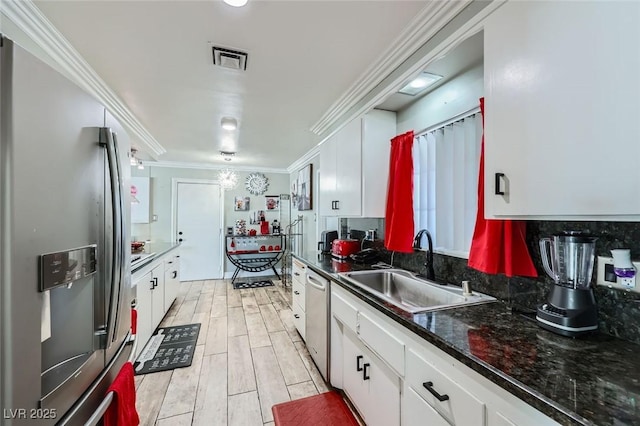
(343, 310)
(381, 341)
(417, 412)
(299, 318)
(298, 270)
(461, 408)
(298, 293)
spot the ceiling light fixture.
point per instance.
(236, 3)
(227, 155)
(418, 84)
(228, 179)
(140, 165)
(229, 123)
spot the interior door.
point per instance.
(199, 230)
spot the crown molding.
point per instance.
(205, 166)
(433, 17)
(304, 160)
(29, 19)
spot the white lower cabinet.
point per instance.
(171, 280)
(298, 289)
(372, 387)
(417, 411)
(448, 398)
(156, 285)
(408, 380)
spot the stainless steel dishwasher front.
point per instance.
(317, 299)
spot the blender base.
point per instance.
(569, 312)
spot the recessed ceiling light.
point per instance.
(229, 123)
(418, 84)
(236, 3)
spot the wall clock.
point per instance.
(257, 183)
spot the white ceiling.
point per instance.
(303, 55)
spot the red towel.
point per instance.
(134, 321)
(122, 411)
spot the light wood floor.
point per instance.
(249, 357)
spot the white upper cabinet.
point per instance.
(562, 103)
(354, 167)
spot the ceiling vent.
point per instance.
(228, 58)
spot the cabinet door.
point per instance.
(349, 170)
(327, 196)
(157, 295)
(171, 281)
(143, 306)
(561, 109)
(352, 362)
(378, 128)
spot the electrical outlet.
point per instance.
(606, 277)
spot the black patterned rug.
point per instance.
(168, 348)
(253, 284)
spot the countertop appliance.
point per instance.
(326, 241)
(341, 249)
(571, 309)
(317, 300)
(66, 251)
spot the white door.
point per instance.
(199, 230)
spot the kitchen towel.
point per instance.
(398, 234)
(498, 246)
(122, 410)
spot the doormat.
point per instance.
(168, 348)
(325, 409)
(254, 284)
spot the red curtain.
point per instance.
(498, 246)
(398, 234)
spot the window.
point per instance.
(445, 194)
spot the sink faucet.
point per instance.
(431, 275)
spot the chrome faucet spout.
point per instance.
(430, 274)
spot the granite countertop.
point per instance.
(591, 381)
(151, 251)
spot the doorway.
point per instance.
(198, 208)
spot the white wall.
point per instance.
(309, 217)
(453, 98)
(160, 202)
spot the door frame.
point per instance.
(174, 212)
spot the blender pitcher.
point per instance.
(568, 258)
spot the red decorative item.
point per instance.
(264, 227)
(134, 321)
(122, 410)
(399, 214)
(326, 409)
(498, 246)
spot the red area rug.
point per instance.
(326, 409)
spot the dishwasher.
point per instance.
(317, 299)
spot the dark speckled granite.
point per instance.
(618, 310)
(591, 381)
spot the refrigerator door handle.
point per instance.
(108, 141)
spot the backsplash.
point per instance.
(618, 311)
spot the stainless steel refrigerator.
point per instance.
(65, 280)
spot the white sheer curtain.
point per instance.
(446, 161)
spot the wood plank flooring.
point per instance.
(249, 356)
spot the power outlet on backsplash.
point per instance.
(606, 277)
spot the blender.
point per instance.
(571, 309)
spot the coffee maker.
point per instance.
(568, 258)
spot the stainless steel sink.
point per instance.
(411, 293)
